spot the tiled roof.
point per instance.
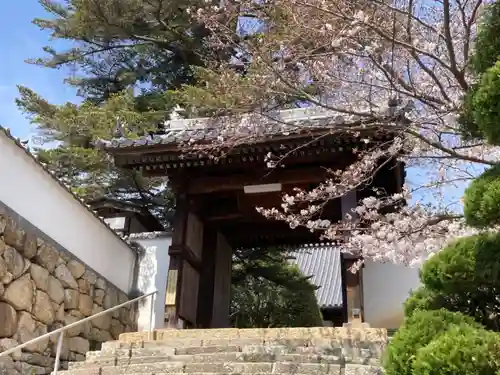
(321, 262)
(19, 144)
(279, 123)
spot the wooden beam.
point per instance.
(233, 164)
(226, 217)
(265, 233)
(205, 185)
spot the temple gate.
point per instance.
(216, 200)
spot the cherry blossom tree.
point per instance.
(399, 65)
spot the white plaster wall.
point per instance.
(153, 274)
(31, 192)
(385, 287)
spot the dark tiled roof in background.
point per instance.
(18, 143)
(322, 262)
(279, 123)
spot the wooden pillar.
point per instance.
(207, 278)
(185, 265)
(351, 288)
(343, 275)
(222, 283)
(174, 278)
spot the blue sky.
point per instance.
(20, 39)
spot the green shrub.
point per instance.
(482, 200)
(469, 130)
(424, 299)
(486, 104)
(462, 350)
(487, 40)
(464, 277)
(417, 331)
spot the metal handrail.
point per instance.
(69, 326)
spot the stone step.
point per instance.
(319, 346)
(110, 356)
(298, 351)
(210, 352)
(222, 354)
(157, 370)
(171, 368)
(258, 336)
(207, 358)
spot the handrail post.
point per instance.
(58, 352)
(151, 310)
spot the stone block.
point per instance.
(90, 276)
(40, 277)
(302, 368)
(7, 366)
(13, 235)
(30, 247)
(78, 345)
(38, 360)
(55, 290)
(14, 261)
(362, 370)
(64, 349)
(19, 293)
(47, 257)
(27, 369)
(102, 322)
(59, 311)
(6, 344)
(101, 284)
(3, 223)
(99, 296)
(75, 331)
(117, 328)
(76, 268)
(28, 329)
(3, 266)
(63, 274)
(265, 349)
(85, 304)
(71, 299)
(84, 286)
(8, 319)
(42, 309)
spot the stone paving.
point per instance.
(298, 351)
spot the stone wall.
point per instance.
(42, 288)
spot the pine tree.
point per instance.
(268, 291)
(127, 58)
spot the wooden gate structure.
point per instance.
(216, 200)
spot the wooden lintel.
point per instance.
(204, 185)
(234, 216)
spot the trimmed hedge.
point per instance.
(482, 199)
(464, 277)
(462, 350)
(417, 331)
(424, 299)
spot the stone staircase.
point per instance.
(298, 351)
